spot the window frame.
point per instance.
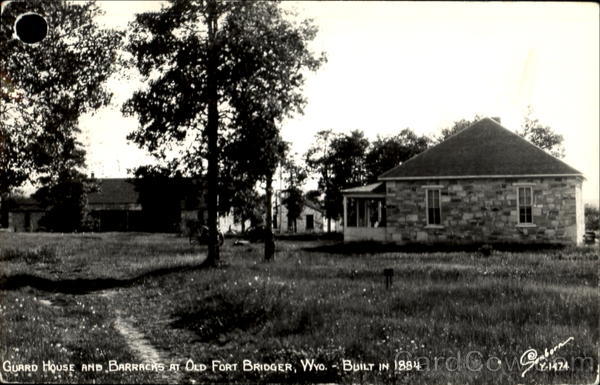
(428, 190)
(519, 222)
(359, 210)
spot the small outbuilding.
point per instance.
(24, 214)
(311, 220)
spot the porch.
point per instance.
(365, 213)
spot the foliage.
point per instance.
(535, 132)
(456, 127)
(340, 159)
(255, 89)
(318, 160)
(46, 87)
(293, 197)
(592, 218)
(388, 152)
(294, 202)
(541, 135)
(65, 201)
(348, 160)
(161, 195)
(226, 71)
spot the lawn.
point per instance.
(465, 318)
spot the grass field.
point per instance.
(466, 318)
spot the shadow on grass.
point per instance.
(373, 247)
(88, 285)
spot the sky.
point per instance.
(392, 65)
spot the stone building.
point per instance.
(483, 184)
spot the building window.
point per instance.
(364, 212)
(310, 222)
(434, 211)
(525, 201)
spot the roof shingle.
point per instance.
(483, 149)
(114, 190)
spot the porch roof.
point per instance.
(370, 189)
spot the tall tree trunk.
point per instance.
(328, 225)
(269, 239)
(212, 127)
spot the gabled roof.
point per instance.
(483, 149)
(313, 205)
(23, 204)
(114, 190)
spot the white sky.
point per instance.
(393, 65)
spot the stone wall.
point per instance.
(485, 210)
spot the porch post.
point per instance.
(345, 212)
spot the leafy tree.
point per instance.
(456, 127)
(293, 197)
(388, 152)
(46, 87)
(216, 69)
(243, 202)
(294, 203)
(160, 193)
(348, 158)
(65, 202)
(592, 218)
(267, 88)
(344, 163)
(541, 135)
(319, 160)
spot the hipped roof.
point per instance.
(483, 149)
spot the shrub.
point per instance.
(592, 218)
(225, 311)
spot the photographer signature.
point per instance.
(530, 358)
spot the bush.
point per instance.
(592, 218)
(226, 311)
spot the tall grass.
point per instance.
(311, 304)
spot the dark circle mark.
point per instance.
(31, 28)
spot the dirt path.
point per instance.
(141, 347)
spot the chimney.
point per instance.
(497, 119)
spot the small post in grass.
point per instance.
(388, 274)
